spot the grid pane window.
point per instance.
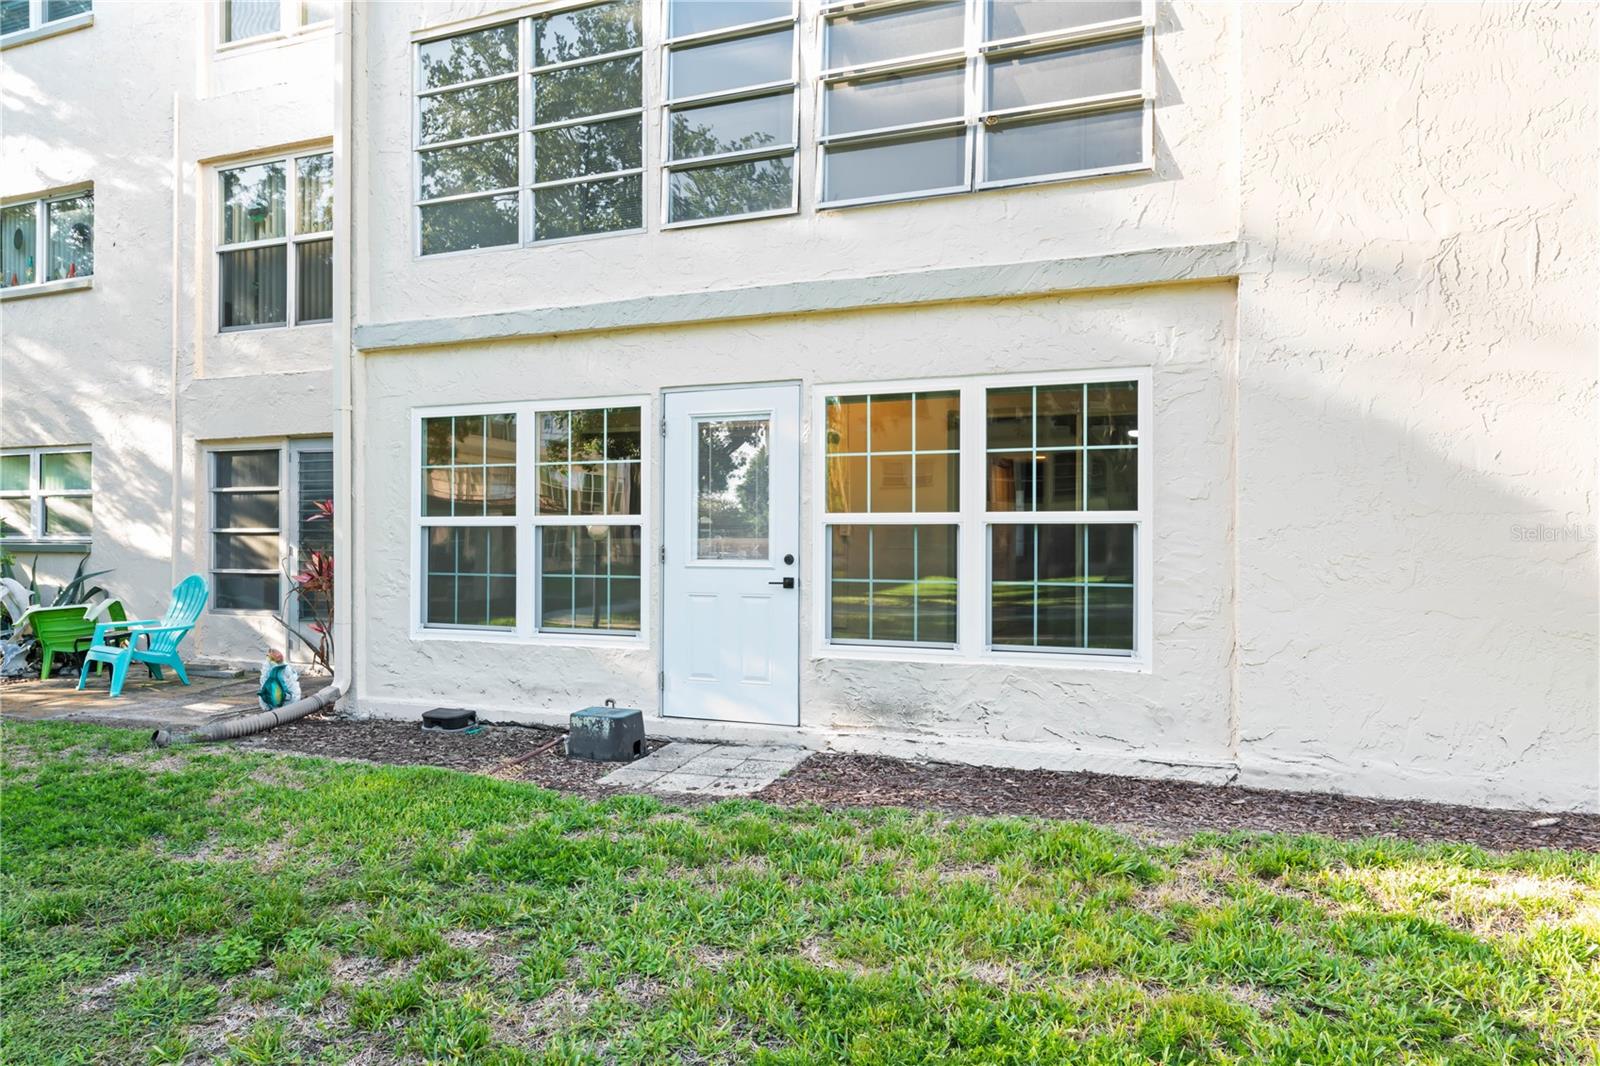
(1063, 448)
(275, 253)
(470, 465)
(589, 462)
(1062, 586)
(245, 534)
(66, 225)
(892, 584)
(731, 110)
(895, 452)
(47, 494)
(471, 576)
(589, 578)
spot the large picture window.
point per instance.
(47, 495)
(943, 96)
(275, 242)
(531, 520)
(66, 224)
(996, 517)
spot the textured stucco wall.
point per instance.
(1054, 714)
(1417, 345)
(94, 366)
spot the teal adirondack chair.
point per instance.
(161, 637)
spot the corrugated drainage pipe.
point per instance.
(234, 728)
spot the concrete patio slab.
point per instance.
(718, 769)
(145, 702)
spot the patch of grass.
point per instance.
(223, 906)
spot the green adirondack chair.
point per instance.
(160, 636)
(60, 630)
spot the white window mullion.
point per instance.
(527, 480)
(972, 553)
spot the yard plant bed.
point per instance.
(229, 904)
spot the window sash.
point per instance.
(294, 17)
(295, 236)
(530, 526)
(974, 524)
(37, 212)
(37, 14)
(34, 497)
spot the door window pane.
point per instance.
(471, 576)
(462, 224)
(727, 65)
(70, 224)
(893, 584)
(314, 196)
(1038, 147)
(1046, 77)
(242, 19)
(589, 578)
(731, 189)
(687, 17)
(893, 100)
(1018, 18)
(252, 203)
(735, 126)
(587, 31)
(858, 40)
(469, 112)
(891, 168)
(732, 498)
(254, 286)
(469, 56)
(19, 230)
(314, 281)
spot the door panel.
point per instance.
(731, 516)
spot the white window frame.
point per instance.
(38, 29)
(291, 240)
(288, 530)
(41, 240)
(528, 524)
(525, 129)
(973, 521)
(976, 115)
(669, 104)
(291, 24)
(36, 495)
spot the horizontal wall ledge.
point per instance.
(1119, 270)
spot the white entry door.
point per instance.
(730, 595)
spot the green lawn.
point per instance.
(207, 904)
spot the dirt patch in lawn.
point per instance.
(1145, 807)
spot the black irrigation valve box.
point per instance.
(453, 719)
(606, 734)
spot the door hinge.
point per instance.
(661, 681)
(663, 427)
(663, 553)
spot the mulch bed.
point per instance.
(1167, 809)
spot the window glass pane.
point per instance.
(686, 17)
(1064, 145)
(249, 18)
(1062, 586)
(244, 510)
(1088, 70)
(590, 89)
(736, 126)
(1113, 413)
(252, 203)
(471, 577)
(71, 227)
(469, 465)
(731, 189)
(735, 64)
(1018, 18)
(588, 31)
(1109, 618)
(314, 195)
(588, 148)
(478, 167)
(894, 34)
(589, 578)
(19, 230)
(894, 452)
(1113, 479)
(16, 519)
(462, 224)
(892, 583)
(895, 100)
(14, 15)
(254, 469)
(245, 551)
(314, 281)
(469, 112)
(469, 56)
(254, 284)
(68, 516)
(847, 424)
(732, 498)
(1059, 410)
(588, 207)
(67, 471)
(64, 9)
(14, 473)
(895, 167)
(315, 11)
(246, 592)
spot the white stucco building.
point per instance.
(1203, 390)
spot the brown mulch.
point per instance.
(1166, 809)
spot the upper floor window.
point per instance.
(243, 20)
(46, 494)
(275, 242)
(65, 223)
(19, 15)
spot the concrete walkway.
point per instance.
(708, 769)
(144, 702)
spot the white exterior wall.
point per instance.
(1355, 424)
(140, 102)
